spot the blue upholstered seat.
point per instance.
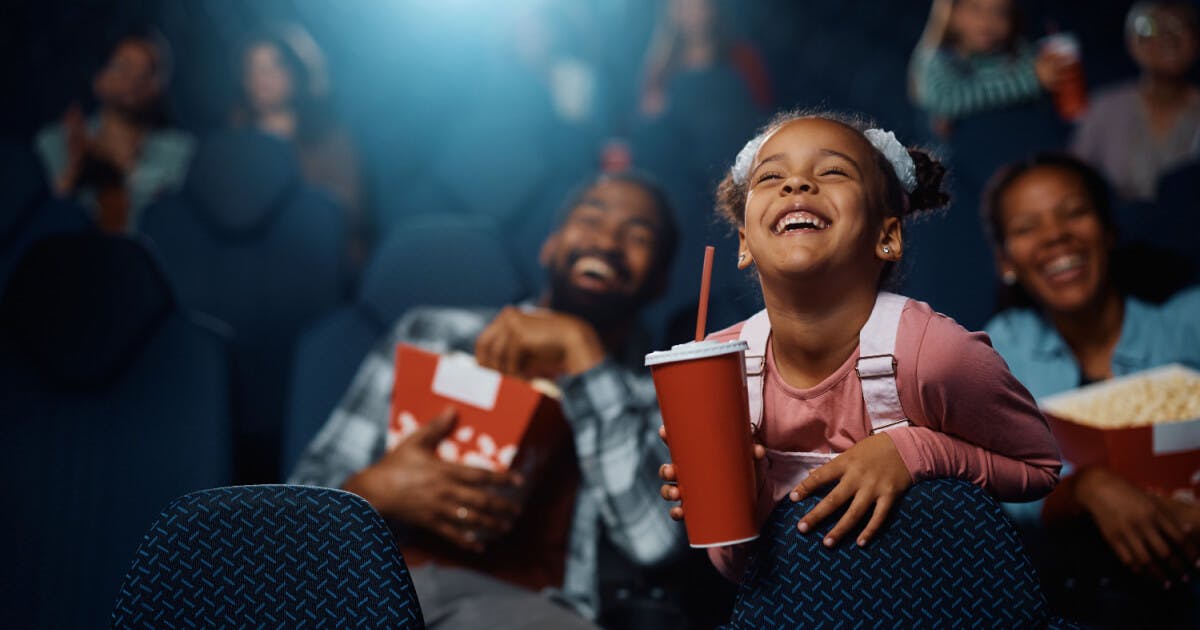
(249, 243)
(114, 402)
(267, 557)
(948, 558)
(27, 211)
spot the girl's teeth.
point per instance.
(800, 218)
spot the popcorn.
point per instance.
(1136, 402)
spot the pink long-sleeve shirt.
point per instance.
(971, 418)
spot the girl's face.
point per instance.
(1054, 240)
(808, 204)
(267, 82)
(981, 26)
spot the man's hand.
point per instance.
(1154, 536)
(538, 343)
(870, 475)
(413, 486)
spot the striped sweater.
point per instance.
(950, 86)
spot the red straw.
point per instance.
(705, 280)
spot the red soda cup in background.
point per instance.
(1070, 95)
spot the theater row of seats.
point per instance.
(134, 368)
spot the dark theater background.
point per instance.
(195, 326)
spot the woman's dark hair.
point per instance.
(308, 92)
(665, 57)
(992, 210)
(1094, 186)
(928, 196)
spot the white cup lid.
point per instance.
(696, 350)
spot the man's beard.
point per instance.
(604, 311)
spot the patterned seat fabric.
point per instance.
(948, 558)
(268, 557)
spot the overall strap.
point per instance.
(876, 367)
(755, 332)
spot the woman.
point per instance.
(1138, 131)
(691, 37)
(283, 93)
(1070, 324)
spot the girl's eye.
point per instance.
(766, 176)
(833, 170)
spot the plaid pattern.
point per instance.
(611, 408)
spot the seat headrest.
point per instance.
(80, 306)
(239, 178)
(23, 183)
(514, 147)
(438, 260)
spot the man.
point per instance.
(124, 156)
(607, 258)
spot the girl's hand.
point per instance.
(870, 475)
(666, 472)
(1154, 536)
(1051, 69)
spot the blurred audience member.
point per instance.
(124, 155)
(607, 258)
(1069, 324)
(284, 93)
(550, 40)
(1137, 131)
(691, 36)
(971, 58)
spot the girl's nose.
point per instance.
(796, 184)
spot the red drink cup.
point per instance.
(1070, 95)
(701, 390)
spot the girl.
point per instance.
(818, 202)
(1052, 228)
(971, 59)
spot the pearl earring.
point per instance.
(887, 250)
(741, 258)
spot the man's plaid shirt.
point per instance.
(611, 408)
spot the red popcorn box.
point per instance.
(1144, 426)
(504, 423)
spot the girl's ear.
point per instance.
(891, 240)
(745, 258)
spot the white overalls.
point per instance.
(876, 370)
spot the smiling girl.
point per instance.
(862, 391)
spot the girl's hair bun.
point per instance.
(930, 193)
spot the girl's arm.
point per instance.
(931, 39)
(979, 423)
(945, 91)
